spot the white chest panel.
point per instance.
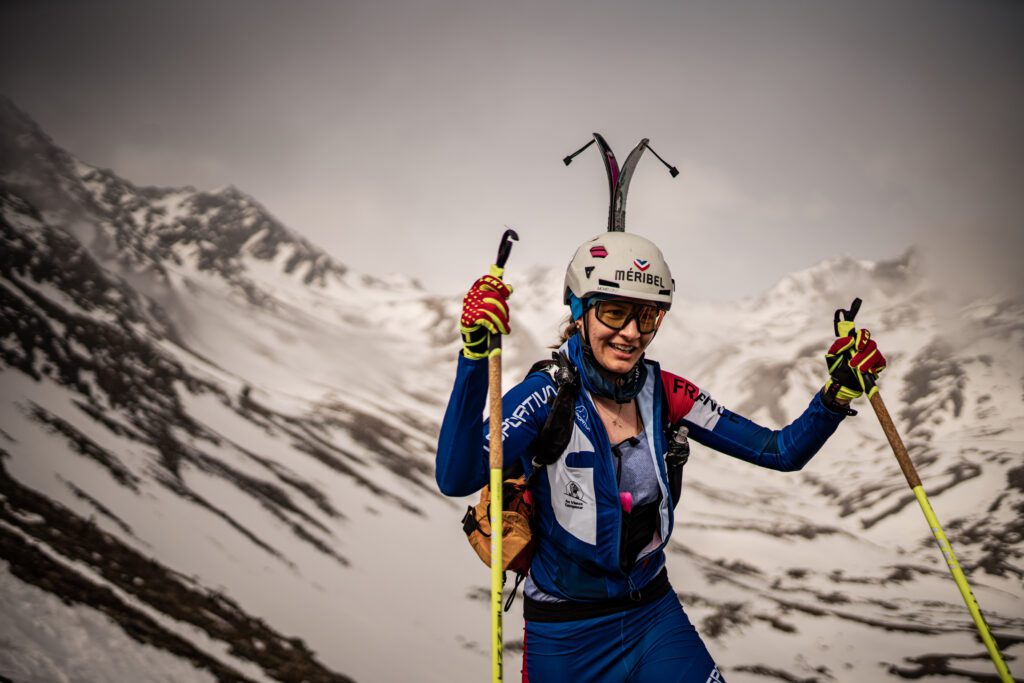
(572, 491)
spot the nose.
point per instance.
(631, 331)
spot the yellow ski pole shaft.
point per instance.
(497, 480)
(940, 536)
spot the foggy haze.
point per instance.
(404, 136)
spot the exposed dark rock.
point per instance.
(390, 445)
(726, 617)
(83, 445)
(34, 567)
(115, 369)
(802, 530)
(78, 540)
(770, 672)
(767, 392)
(934, 382)
(714, 573)
(175, 485)
(959, 472)
(942, 665)
(99, 507)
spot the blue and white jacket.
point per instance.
(578, 510)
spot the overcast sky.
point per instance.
(402, 136)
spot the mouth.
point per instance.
(623, 349)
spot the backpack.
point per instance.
(517, 502)
(516, 526)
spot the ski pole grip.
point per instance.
(844, 327)
(505, 248)
(497, 270)
(842, 322)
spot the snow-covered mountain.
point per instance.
(216, 456)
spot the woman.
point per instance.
(598, 605)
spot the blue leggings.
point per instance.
(653, 643)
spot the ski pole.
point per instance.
(844, 328)
(497, 465)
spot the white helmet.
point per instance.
(619, 264)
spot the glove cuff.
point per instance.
(475, 342)
(828, 397)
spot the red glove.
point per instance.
(864, 359)
(484, 312)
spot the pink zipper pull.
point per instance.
(626, 498)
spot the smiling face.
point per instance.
(617, 351)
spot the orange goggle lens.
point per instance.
(617, 314)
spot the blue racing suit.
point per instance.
(579, 566)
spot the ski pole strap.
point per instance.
(515, 589)
(843, 319)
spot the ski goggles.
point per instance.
(617, 314)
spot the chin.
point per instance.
(618, 366)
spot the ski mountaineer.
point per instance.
(598, 604)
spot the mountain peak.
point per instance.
(146, 227)
(29, 159)
(841, 275)
(16, 123)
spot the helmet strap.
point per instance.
(587, 351)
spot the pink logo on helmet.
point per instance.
(641, 264)
(598, 252)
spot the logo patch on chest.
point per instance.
(581, 416)
(574, 497)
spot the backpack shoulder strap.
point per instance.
(555, 434)
(675, 434)
(548, 366)
(678, 452)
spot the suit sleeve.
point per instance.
(463, 460)
(713, 425)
